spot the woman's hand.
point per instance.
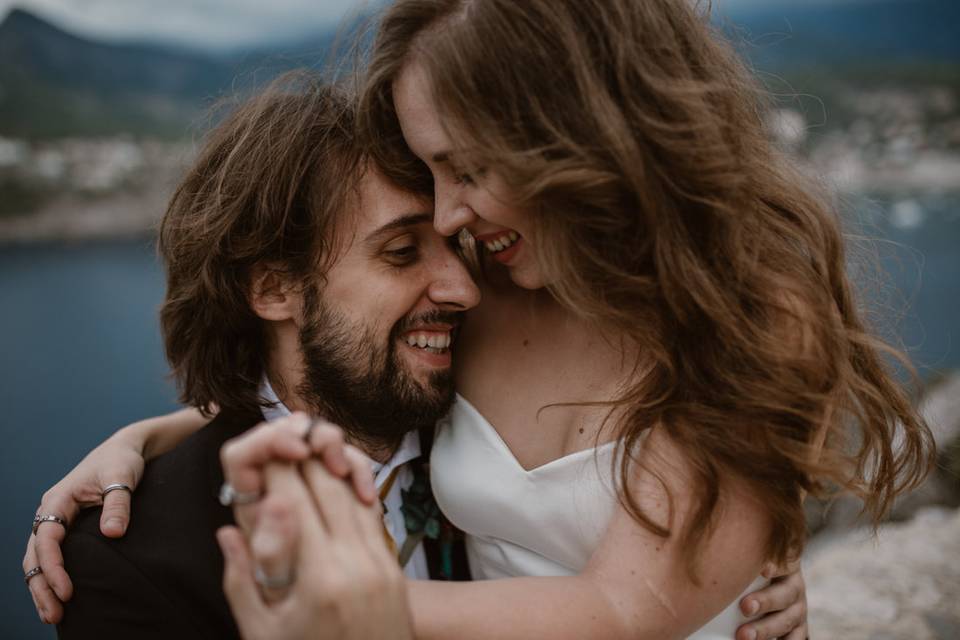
(322, 558)
(292, 439)
(782, 605)
(118, 460)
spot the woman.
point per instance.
(679, 299)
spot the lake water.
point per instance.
(81, 353)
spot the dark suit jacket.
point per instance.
(163, 579)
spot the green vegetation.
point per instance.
(18, 198)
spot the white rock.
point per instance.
(903, 583)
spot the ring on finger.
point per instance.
(272, 582)
(230, 496)
(39, 520)
(33, 573)
(309, 432)
(116, 486)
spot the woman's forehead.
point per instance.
(419, 119)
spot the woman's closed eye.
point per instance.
(463, 178)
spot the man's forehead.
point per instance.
(383, 205)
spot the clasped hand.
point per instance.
(309, 558)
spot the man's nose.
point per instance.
(450, 213)
(451, 285)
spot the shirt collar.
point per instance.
(408, 450)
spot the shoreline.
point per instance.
(131, 214)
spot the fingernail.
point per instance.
(116, 523)
(225, 546)
(752, 634)
(752, 607)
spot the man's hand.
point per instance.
(321, 561)
(291, 439)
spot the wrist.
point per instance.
(138, 438)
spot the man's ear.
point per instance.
(272, 295)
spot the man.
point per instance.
(299, 279)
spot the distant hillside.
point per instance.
(899, 32)
(53, 83)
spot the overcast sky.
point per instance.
(203, 23)
(215, 23)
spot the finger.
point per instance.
(333, 499)
(361, 475)
(800, 633)
(774, 625)
(371, 527)
(777, 596)
(245, 602)
(775, 570)
(273, 545)
(287, 480)
(48, 605)
(46, 544)
(59, 503)
(116, 512)
(244, 457)
(326, 440)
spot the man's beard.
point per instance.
(366, 388)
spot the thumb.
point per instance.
(248, 608)
(116, 513)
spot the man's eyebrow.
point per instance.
(407, 220)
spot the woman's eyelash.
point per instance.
(467, 177)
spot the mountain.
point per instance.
(777, 36)
(53, 83)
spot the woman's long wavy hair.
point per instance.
(663, 212)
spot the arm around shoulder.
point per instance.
(162, 433)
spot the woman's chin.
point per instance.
(527, 276)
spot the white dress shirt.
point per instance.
(393, 517)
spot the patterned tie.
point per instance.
(384, 491)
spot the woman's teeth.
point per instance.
(501, 243)
(435, 342)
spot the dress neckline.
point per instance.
(501, 444)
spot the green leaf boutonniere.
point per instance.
(421, 515)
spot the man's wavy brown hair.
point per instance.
(268, 189)
(664, 213)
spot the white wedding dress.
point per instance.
(543, 522)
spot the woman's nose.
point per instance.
(450, 213)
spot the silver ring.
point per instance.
(115, 487)
(270, 582)
(39, 520)
(33, 573)
(309, 431)
(230, 496)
